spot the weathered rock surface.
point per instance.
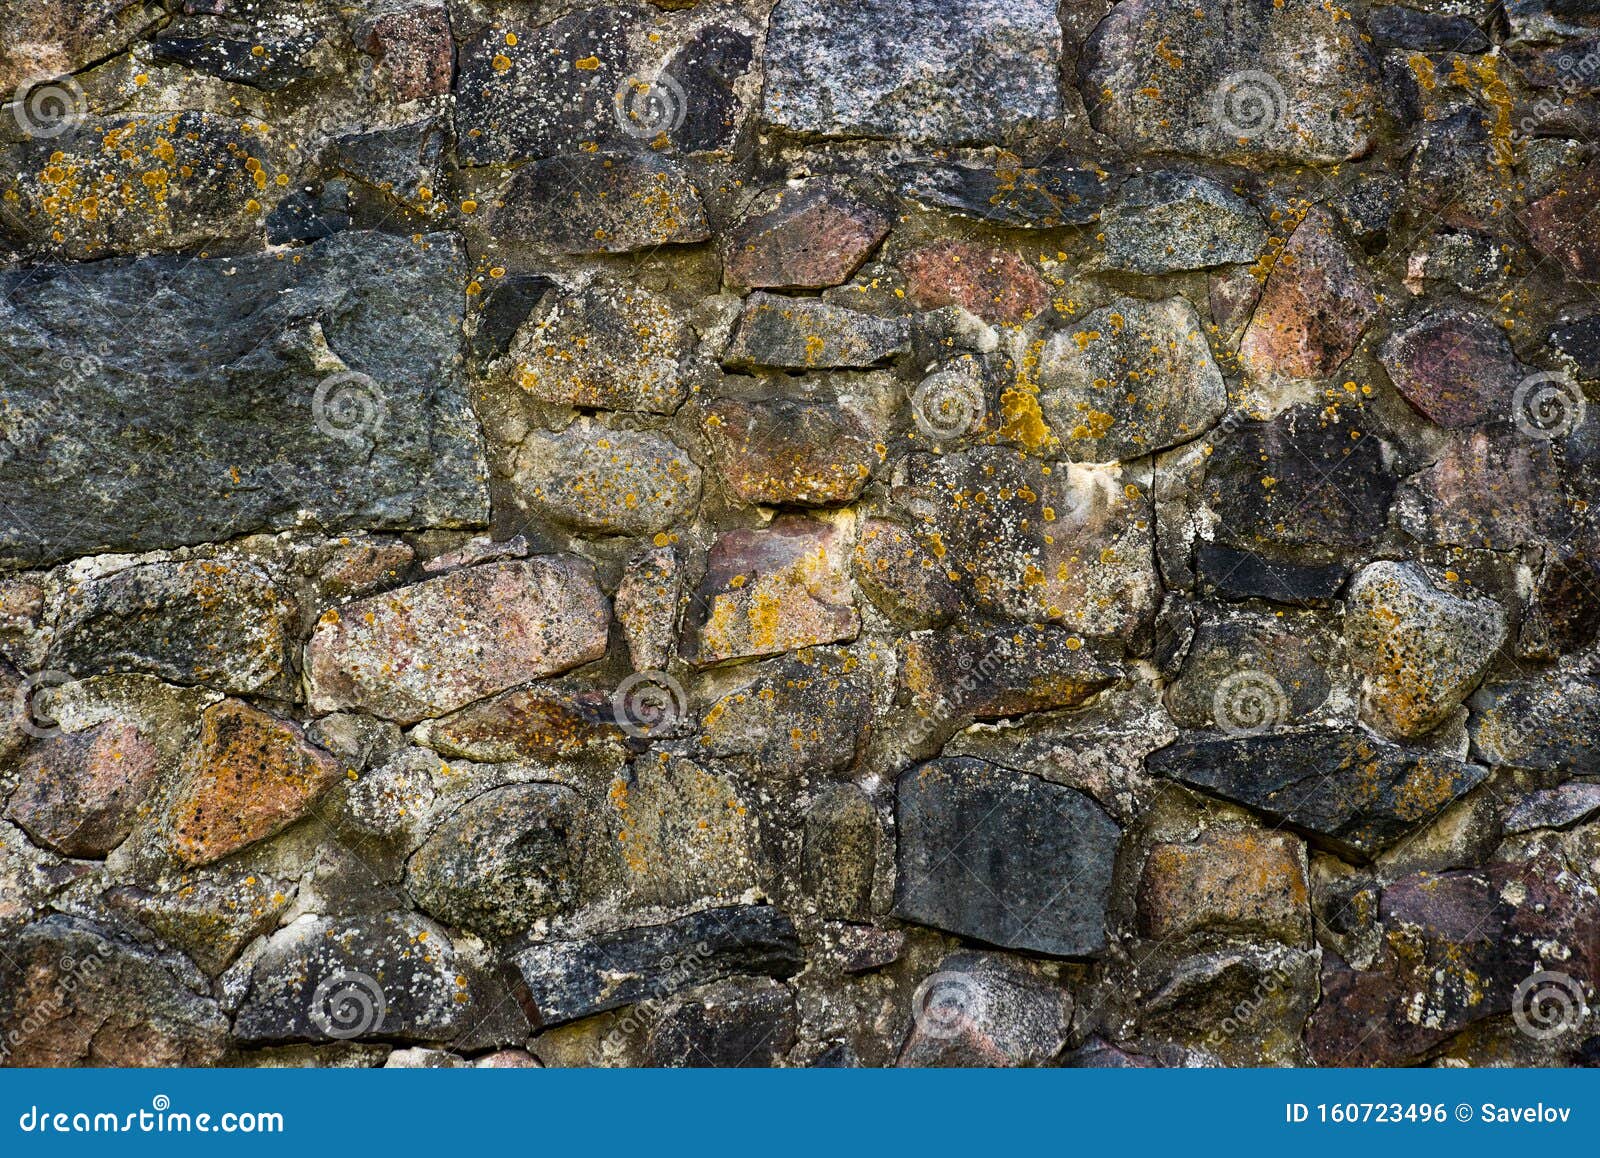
(813, 237)
(1344, 790)
(601, 203)
(221, 622)
(787, 452)
(1420, 651)
(386, 977)
(503, 861)
(1170, 221)
(74, 993)
(1130, 379)
(1246, 80)
(436, 646)
(250, 775)
(572, 979)
(1003, 857)
(1244, 883)
(352, 347)
(806, 334)
(971, 72)
(81, 793)
(1314, 308)
(1457, 369)
(1456, 946)
(979, 1009)
(771, 591)
(610, 482)
(613, 347)
(995, 284)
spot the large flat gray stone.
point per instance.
(159, 401)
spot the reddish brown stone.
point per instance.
(1457, 369)
(1456, 945)
(413, 45)
(1561, 224)
(251, 775)
(534, 723)
(1495, 493)
(770, 591)
(814, 237)
(438, 645)
(72, 993)
(996, 285)
(80, 793)
(1315, 306)
(779, 451)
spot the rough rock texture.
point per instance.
(799, 533)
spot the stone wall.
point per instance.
(826, 532)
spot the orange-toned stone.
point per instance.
(250, 776)
(1249, 883)
(1314, 309)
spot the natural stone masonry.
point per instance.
(799, 532)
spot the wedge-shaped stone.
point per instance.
(1345, 790)
(436, 646)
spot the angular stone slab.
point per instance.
(436, 646)
(572, 979)
(1004, 857)
(189, 410)
(385, 976)
(958, 72)
(1346, 790)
